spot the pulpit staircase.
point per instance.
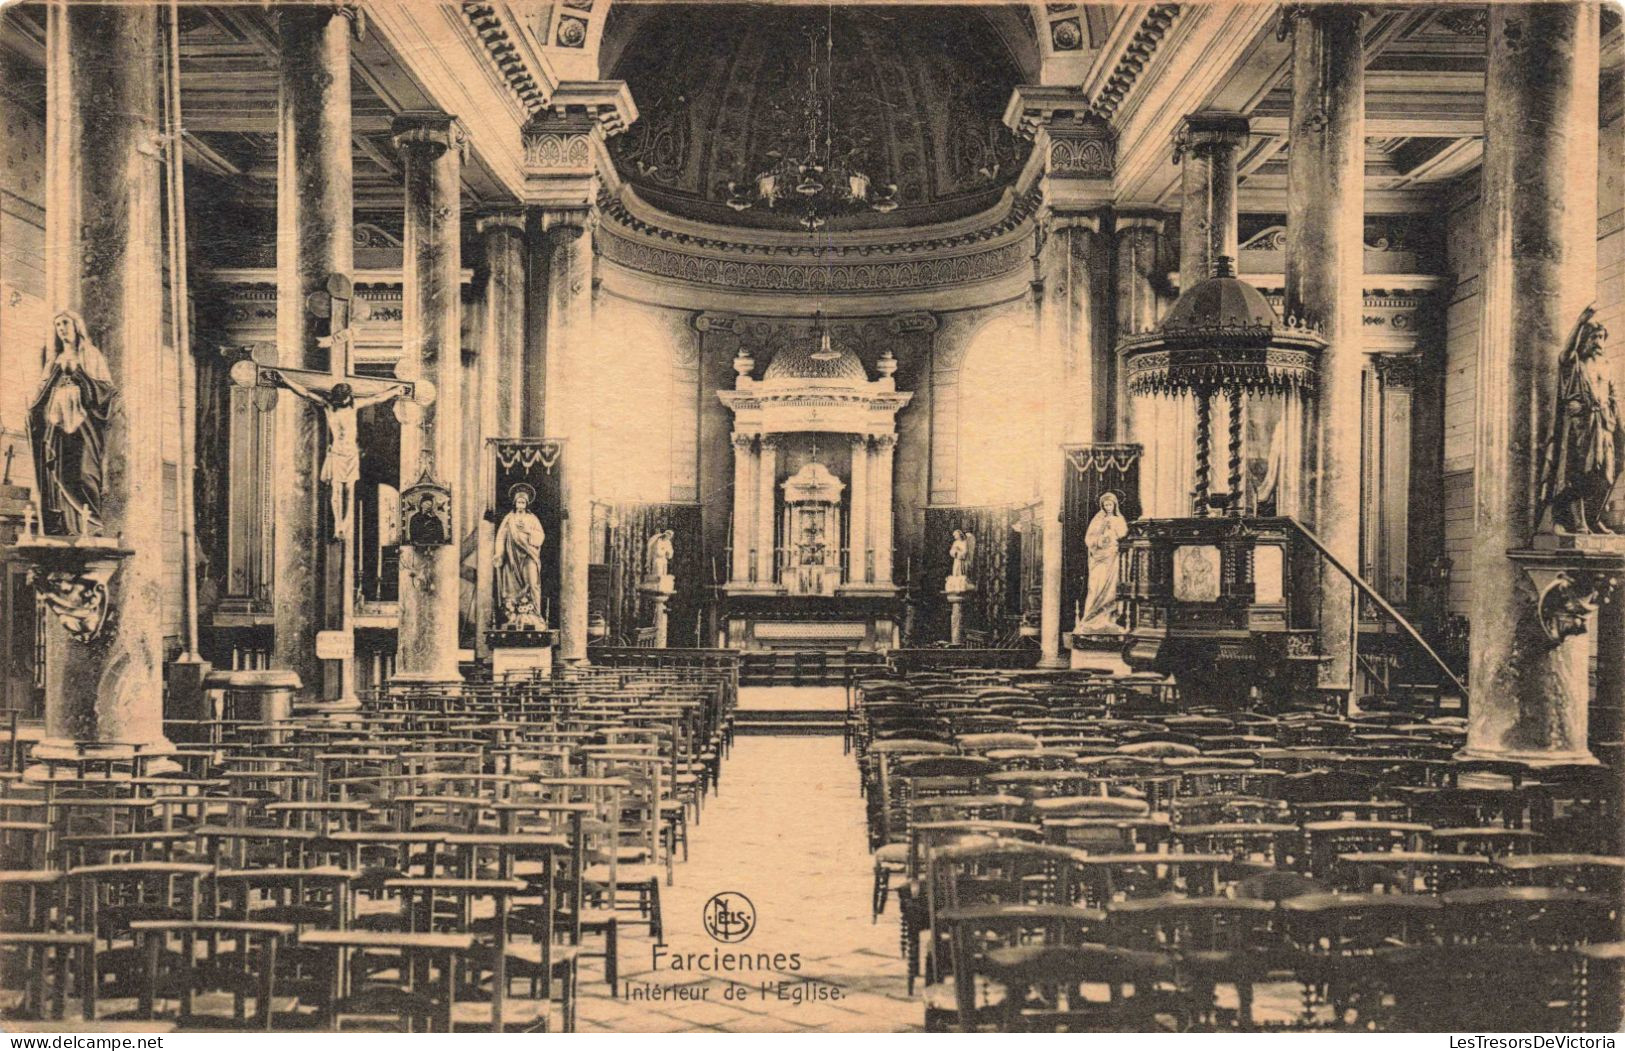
(1398, 676)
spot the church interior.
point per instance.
(607, 516)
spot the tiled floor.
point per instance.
(792, 698)
(787, 832)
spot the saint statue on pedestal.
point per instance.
(962, 550)
(67, 425)
(1581, 462)
(660, 551)
(1106, 531)
(517, 563)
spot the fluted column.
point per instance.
(501, 389)
(744, 522)
(315, 239)
(885, 447)
(858, 541)
(103, 259)
(431, 148)
(1324, 271)
(570, 344)
(767, 485)
(1539, 238)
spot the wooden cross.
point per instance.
(340, 393)
(11, 451)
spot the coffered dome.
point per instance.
(914, 96)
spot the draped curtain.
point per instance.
(1092, 470)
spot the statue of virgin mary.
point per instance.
(1106, 531)
(68, 423)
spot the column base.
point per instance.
(51, 752)
(1580, 757)
(1055, 662)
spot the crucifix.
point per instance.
(339, 393)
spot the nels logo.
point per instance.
(729, 917)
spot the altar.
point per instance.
(810, 563)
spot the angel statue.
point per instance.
(962, 551)
(1106, 531)
(1581, 460)
(660, 551)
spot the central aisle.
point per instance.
(787, 832)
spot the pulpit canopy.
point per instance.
(1222, 334)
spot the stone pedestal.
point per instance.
(1543, 719)
(957, 590)
(658, 590)
(265, 696)
(521, 654)
(104, 259)
(1531, 590)
(1324, 278)
(430, 146)
(1102, 651)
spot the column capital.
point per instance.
(1397, 370)
(293, 13)
(915, 321)
(859, 441)
(712, 321)
(743, 441)
(1211, 131)
(1322, 13)
(573, 218)
(565, 157)
(1127, 223)
(501, 219)
(1036, 106)
(884, 443)
(771, 442)
(430, 130)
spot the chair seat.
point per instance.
(625, 875)
(892, 855)
(475, 1014)
(943, 996)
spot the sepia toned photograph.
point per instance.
(638, 516)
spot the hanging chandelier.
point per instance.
(812, 182)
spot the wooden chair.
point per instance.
(203, 963)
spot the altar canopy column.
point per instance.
(1539, 238)
(743, 521)
(501, 371)
(431, 147)
(885, 447)
(103, 259)
(767, 484)
(1076, 353)
(564, 147)
(1324, 277)
(315, 239)
(858, 533)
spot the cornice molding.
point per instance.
(1135, 56)
(713, 259)
(506, 50)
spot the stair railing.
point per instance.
(1381, 603)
